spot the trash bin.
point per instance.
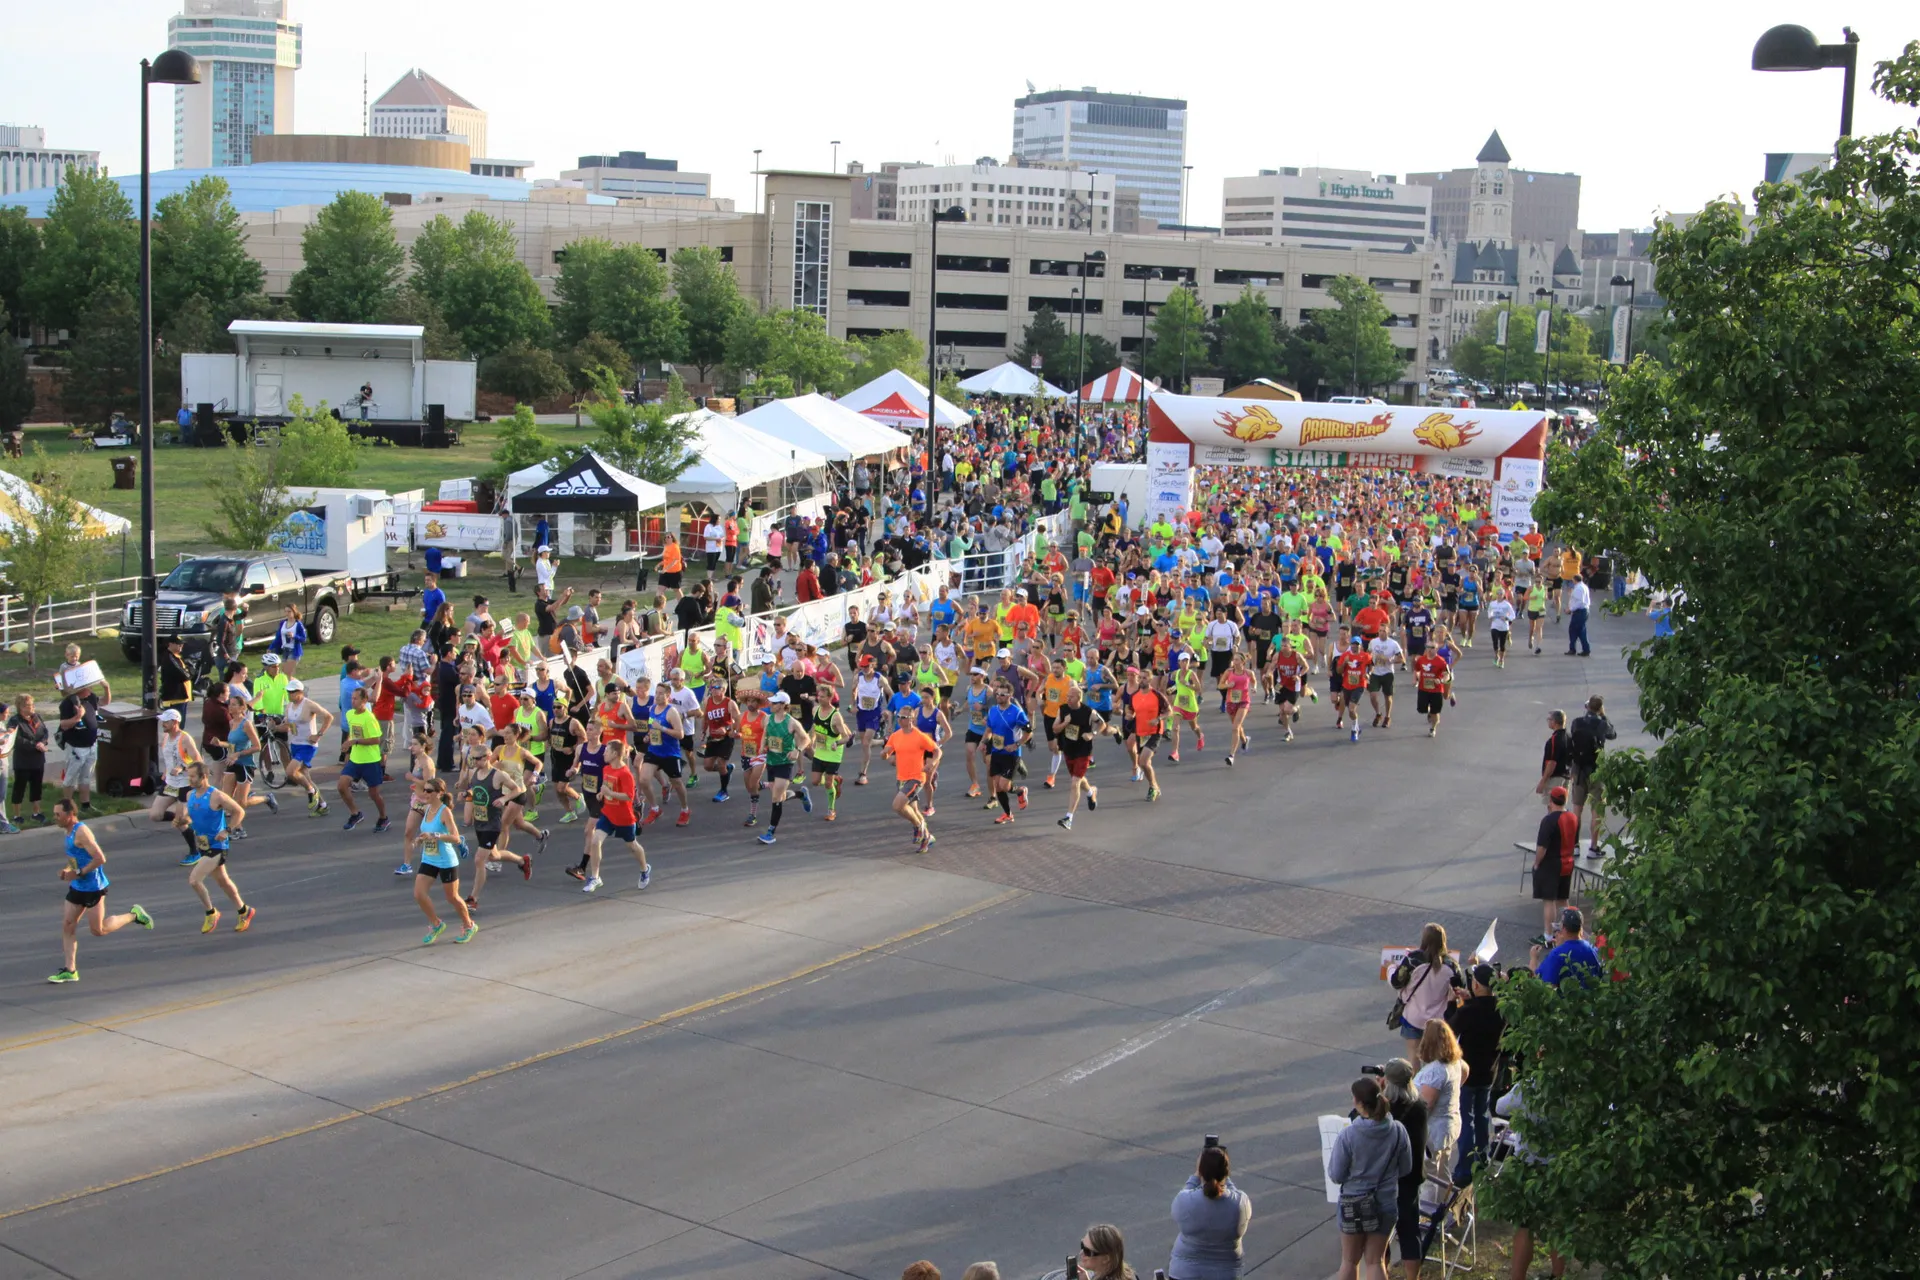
(126, 472)
(129, 741)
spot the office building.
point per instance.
(26, 162)
(1546, 206)
(1345, 208)
(418, 106)
(248, 52)
(876, 195)
(1011, 195)
(1141, 141)
(635, 173)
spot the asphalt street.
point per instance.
(830, 1057)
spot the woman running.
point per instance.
(85, 876)
(1238, 684)
(440, 860)
(420, 767)
(243, 756)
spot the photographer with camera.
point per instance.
(1212, 1215)
(1431, 982)
(1478, 1025)
(1368, 1160)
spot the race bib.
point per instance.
(867, 703)
(589, 784)
(995, 740)
(1071, 733)
(202, 843)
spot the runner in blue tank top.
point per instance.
(205, 821)
(85, 876)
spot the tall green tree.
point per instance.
(200, 248)
(353, 262)
(1101, 356)
(709, 297)
(103, 369)
(472, 272)
(1046, 336)
(248, 497)
(799, 346)
(316, 449)
(89, 246)
(408, 305)
(1355, 350)
(1479, 355)
(16, 388)
(193, 328)
(19, 257)
(1742, 1105)
(593, 352)
(1248, 345)
(652, 441)
(894, 349)
(525, 372)
(1178, 347)
(619, 291)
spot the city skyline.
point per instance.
(1627, 113)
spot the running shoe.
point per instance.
(653, 814)
(753, 820)
(238, 833)
(404, 869)
(1021, 797)
(832, 816)
(1139, 775)
(806, 800)
(473, 907)
(526, 865)
(766, 837)
(468, 935)
(313, 802)
(570, 815)
(685, 818)
(273, 805)
(1002, 819)
(1200, 741)
(323, 808)
(928, 842)
(1289, 734)
(245, 922)
(145, 921)
(721, 797)
(211, 922)
(646, 876)
(8, 827)
(593, 885)
(860, 781)
(1173, 757)
(353, 821)
(1048, 782)
(433, 934)
(928, 811)
(493, 867)
(1355, 735)
(1153, 793)
(190, 859)
(973, 792)
(1433, 731)
(1065, 821)
(1229, 760)
(381, 827)
(576, 873)
(544, 836)
(1020, 768)
(64, 975)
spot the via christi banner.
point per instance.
(1414, 438)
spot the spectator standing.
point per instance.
(1579, 603)
(1554, 847)
(441, 630)
(29, 755)
(672, 563)
(431, 598)
(1556, 758)
(1430, 979)
(7, 738)
(1368, 1160)
(80, 737)
(1405, 1105)
(806, 587)
(1442, 1073)
(1479, 1026)
(446, 698)
(1513, 1106)
(764, 593)
(1212, 1216)
(1571, 951)
(544, 568)
(289, 640)
(713, 542)
(1585, 738)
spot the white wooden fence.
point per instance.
(79, 614)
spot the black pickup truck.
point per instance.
(266, 585)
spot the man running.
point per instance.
(489, 791)
(1008, 728)
(830, 738)
(1385, 653)
(617, 817)
(85, 876)
(1431, 677)
(1289, 671)
(978, 698)
(1350, 674)
(204, 819)
(870, 690)
(913, 753)
(1148, 707)
(306, 720)
(785, 741)
(177, 751)
(721, 715)
(663, 765)
(1077, 726)
(363, 762)
(752, 731)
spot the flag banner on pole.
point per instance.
(1620, 321)
(1542, 332)
(1500, 329)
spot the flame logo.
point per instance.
(1440, 431)
(1255, 424)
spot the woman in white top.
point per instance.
(1439, 1082)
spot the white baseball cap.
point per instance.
(296, 686)
(170, 714)
(779, 697)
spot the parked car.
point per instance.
(266, 585)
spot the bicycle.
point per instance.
(274, 755)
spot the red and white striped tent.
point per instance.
(896, 412)
(1122, 385)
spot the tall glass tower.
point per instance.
(1142, 142)
(248, 52)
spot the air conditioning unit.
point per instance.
(362, 508)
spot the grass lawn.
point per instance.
(182, 507)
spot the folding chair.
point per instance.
(1452, 1225)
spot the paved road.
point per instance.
(827, 1058)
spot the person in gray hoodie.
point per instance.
(1212, 1215)
(1368, 1160)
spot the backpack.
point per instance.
(1584, 739)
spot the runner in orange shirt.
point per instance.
(1352, 669)
(913, 754)
(1149, 707)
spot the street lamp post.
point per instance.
(953, 213)
(1087, 260)
(1794, 48)
(1186, 388)
(1151, 273)
(1546, 374)
(1626, 282)
(835, 144)
(1506, 388)
(1186, 175)
(175, 66)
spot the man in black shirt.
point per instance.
(801, 689)
(1478, 1025)
(855, 630)
(446, 696)
(1262, 627)
(687, 612)
(1556, 759)
(544, 619)
(176, 684)
(80, 735)
(1074, 729)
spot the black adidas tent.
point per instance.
(589, 485)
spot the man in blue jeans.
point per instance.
(1477, 1024)
(1579, 601)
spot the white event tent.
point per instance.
(734, 458)
(894, 397)
(827, 427)
(1009, 379)
(21, 501)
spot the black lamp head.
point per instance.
(1621, 282)
(1788, 47)
(1098, 255)
(952, 213)
(175, 66)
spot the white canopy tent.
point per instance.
(867, 399)
(734, 458)
(1009, 379)
(20, 500)
(824, 426)
(589, 486)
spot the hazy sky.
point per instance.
(1652, 103)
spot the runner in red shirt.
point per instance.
(1290, 671)
(1431, 679)
(1352, 669)
(617, 817)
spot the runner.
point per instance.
(205, 822)
(929, 719)
(830, 738)
(489, 792)
(1350, 672)
(1431, 678)
(1148, 707)
(1008, 728)
(1385, 653)
(978, 699)
(719, 714)
(785, 740)
(243, 755)
(1053, 698)
(519, 764)
(1078, 726)
(85, 876)
(752, 732)
(1289, 672)
(664, 763)
(1500, 616)
(177, 751)
(1183, 684)
(1536, 606)
(566, 734)
(913, 753)
(363, 763)
(589, 766)
(440, 850)
(870, 691)
(1237, 685)
(420, 767)
(617, 817)
(306, 721)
